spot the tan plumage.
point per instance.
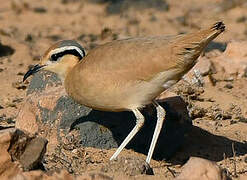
(127, 74)
(134, 70)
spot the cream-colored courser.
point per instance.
(126, 75)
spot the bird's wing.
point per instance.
(134, 58)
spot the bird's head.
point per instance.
(59, 58)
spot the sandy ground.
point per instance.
(29, 28)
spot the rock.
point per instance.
(203, 169)
(6, 50)
(92, 176)
(234, 60)
(130, 166)
(204, 65)
(33, 154)
(118, 6)
(62, 175)
(19, 6)
(7, 168)
(202, 68)
(27, 149)
(243, 177)
(224, 6)
(30, 153)
(228, 86)
(49, 111)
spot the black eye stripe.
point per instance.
(74, 52)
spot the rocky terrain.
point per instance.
(45, 135)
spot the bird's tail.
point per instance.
(190, 46)
(219, 26)
(214, 31)
(204, 36)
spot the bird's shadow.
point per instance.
(201, 143)
(178, 139)
(109, 129)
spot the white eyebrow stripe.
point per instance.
(62, 49)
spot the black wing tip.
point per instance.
(219, 26)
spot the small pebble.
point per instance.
(228, 86)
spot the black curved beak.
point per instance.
(32, 71)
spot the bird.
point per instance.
(126, 74)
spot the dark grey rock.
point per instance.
(119, 6)
(41, 80)
(6, 50)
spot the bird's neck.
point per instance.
(66, 67)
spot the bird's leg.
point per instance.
(139, 123)
(161, 113)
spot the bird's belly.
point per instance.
(124, 98)
(128, 97)
(147, 92)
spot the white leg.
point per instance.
(139, 123)
(161, 113)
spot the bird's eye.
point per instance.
(54, 57)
